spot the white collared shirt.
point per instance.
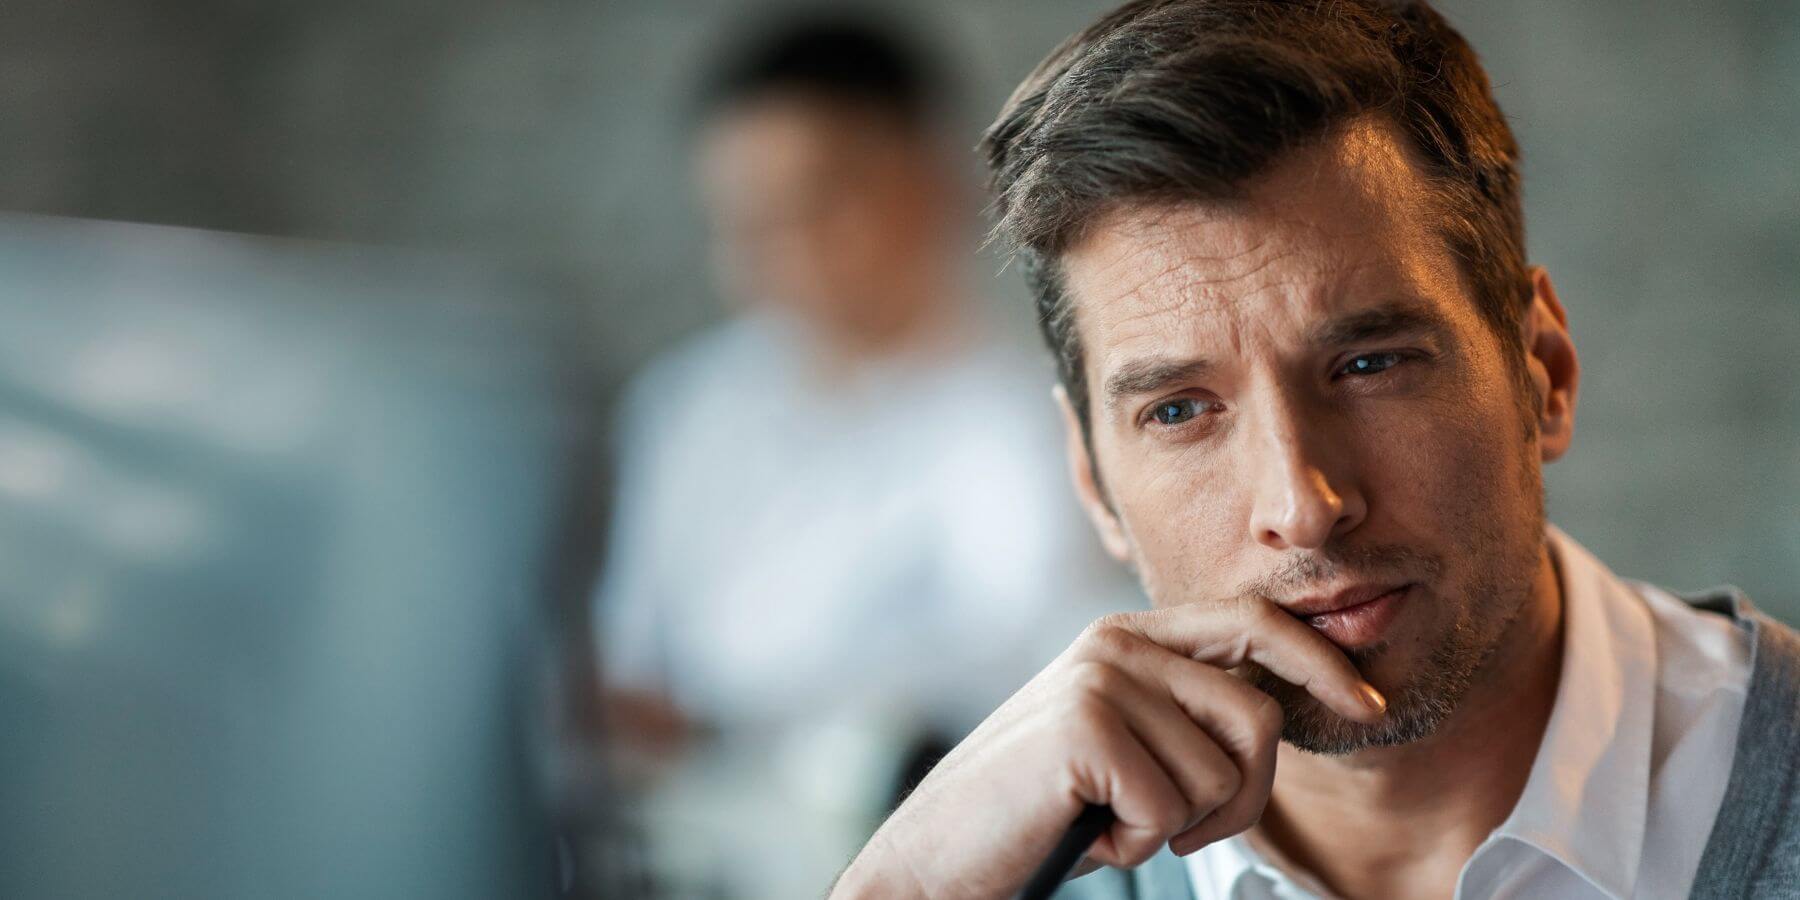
(1629, 777)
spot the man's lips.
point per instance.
(1354, 595)
(1354, 617)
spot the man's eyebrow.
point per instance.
(1380, 322)
(1147, 376)
(1144, 376)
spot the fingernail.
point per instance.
(1371, 697)
(1186, 843)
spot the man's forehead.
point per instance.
(1152, 254)
(1344, 219)
(1199, 262)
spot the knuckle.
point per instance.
(1170, 817)
(1109, 636)
(1088, 634)
(1114, 620)
(1266, 718)
(1136, 847)
(1259, 614)
(1094, 679)
(1224, 784)
(1250, 620)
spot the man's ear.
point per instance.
(1550, 360)
(1081, 474)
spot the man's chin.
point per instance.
(1417, 706)
(1311, 727)
(1422, 694)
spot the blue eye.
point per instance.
(1175, 412)
(1371, 363)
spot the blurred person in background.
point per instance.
(840, 522)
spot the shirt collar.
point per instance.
(1585, 801)
(1241, 869)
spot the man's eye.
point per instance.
(1175, 412)
(1371, 363)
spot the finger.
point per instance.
(1248, 723)
(1223, 823)
(1252, 629)
(1122, 773)
(1244, 722)
(1206, 774)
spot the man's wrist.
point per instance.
(878, 871)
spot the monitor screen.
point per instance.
(274, 519)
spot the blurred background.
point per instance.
(353, 357)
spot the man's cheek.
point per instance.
(1162, 474)
(1184, 551)
(1429, 450)
(1464, 486)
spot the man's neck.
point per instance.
(1418, 812)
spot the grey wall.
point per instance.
(1663, 191)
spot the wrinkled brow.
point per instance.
(1387, 321)
(1147, 376)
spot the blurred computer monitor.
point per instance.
(274, 520)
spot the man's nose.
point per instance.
(1305, 494)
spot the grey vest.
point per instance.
(1754, 851)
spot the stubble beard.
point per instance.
(1415, 711)
(1506, 560)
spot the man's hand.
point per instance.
(1140, 714)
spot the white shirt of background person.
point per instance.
(899, 541)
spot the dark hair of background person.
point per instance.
(860, 60)
(1188, 100)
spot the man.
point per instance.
(1308, 382)
(840, 479)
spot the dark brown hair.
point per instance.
(1188, 100)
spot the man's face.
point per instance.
(1294, 396)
